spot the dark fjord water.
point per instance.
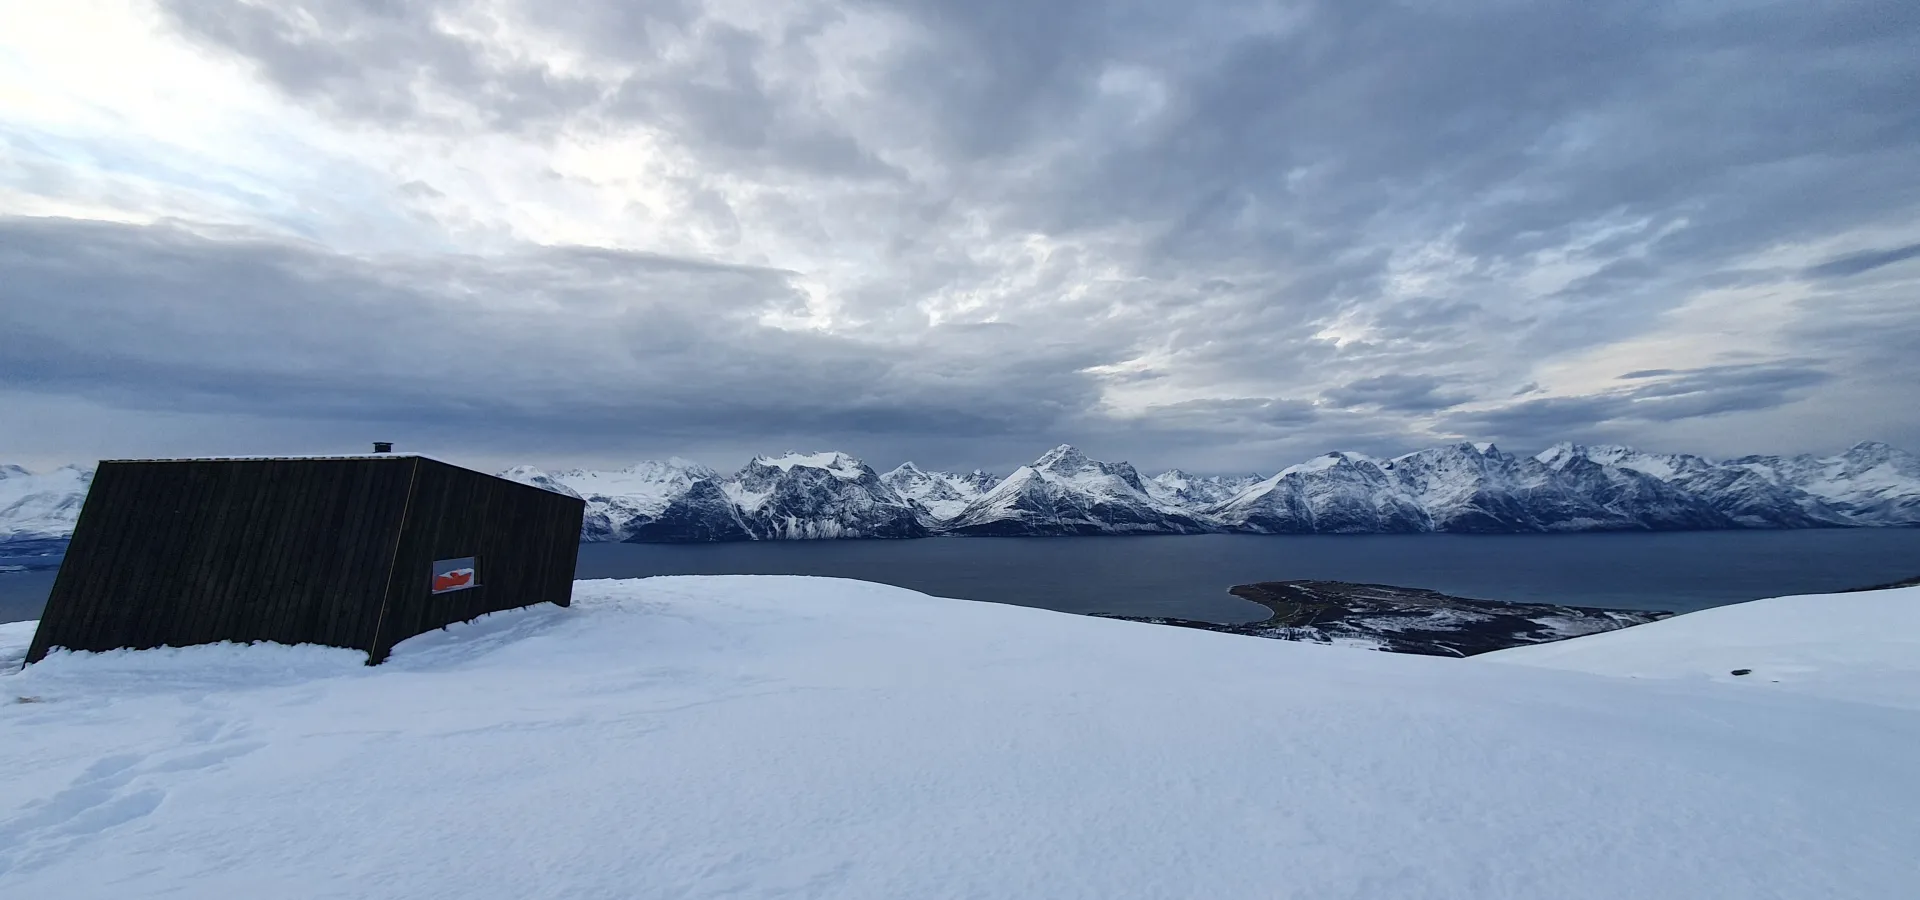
(1188, 576)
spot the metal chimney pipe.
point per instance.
(382, 446)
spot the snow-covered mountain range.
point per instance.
(1064, 493)
(1472, 488)
(821, 495)
(41, 506)
(1475, 488)
(944, 494)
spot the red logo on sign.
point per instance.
(458, 578)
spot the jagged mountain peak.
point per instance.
(538, 477)
(1065, 492)
(1868, 454)
(1337, 492)
(1461, 450)
(1665, 466)
(943, 494)
(803, 496)
(979, 480)
(42, 505)
(651, 500)
(1560, 455)
(833, 461)
(1064, 459)
(1465, 486)
(1329, 460)
(669, 469)
(1182, 489)
(1176, 475)
(81, 473)
(673, 464)
(1106, 500)
(1870, 482)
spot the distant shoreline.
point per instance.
(1407, 620)
(1909, 582)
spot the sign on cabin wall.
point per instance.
(454, 575)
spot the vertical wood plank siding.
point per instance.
(178, 552)
(525, 542)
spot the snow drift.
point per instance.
(794, 737)
(1862, 646)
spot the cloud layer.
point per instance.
(1220, 234)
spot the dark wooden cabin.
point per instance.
(353, 551)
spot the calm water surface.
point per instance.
(1188, 576)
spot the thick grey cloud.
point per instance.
(558, 345)
(1859, 263)
(1162, 228)
(1646, 396)
(1401, 393)
(382, 60)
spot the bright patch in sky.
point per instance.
(957, 231)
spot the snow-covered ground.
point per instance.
(1862, 647)
(793, 737)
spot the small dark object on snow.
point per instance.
(1743, 671)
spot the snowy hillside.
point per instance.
(1731, 492)
(1186, 491)
(39, 506)
(1063, 493)
(789, 737)
(1862, 646)
(673, 501)
(1871, 482)
(1480, 488)
(1339, 493)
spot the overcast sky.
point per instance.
(1219, 235)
